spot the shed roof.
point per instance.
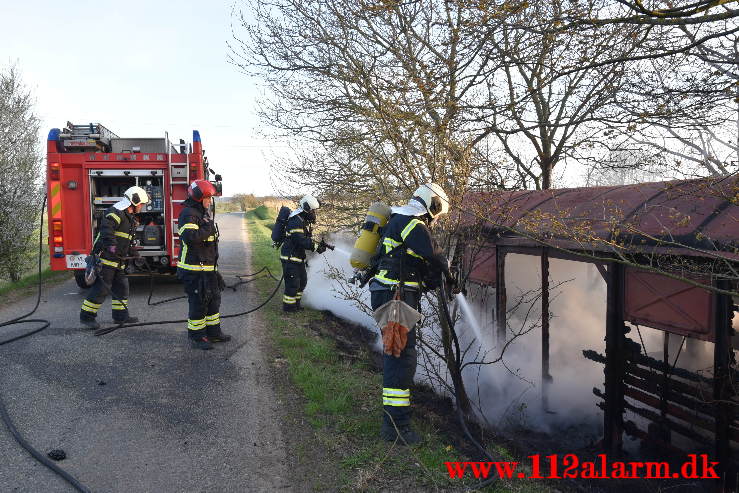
(683, 217)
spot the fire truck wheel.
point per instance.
(79, 277)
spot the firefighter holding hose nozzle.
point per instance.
(110, 251)
(197, 267)
(298, 237)
(408, 262)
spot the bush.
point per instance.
(261, 212)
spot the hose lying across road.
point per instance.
(23, 319)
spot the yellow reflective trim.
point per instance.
(203, 268)
(409, 227)
(109, 262)
(91, 304)
(114, 216)
(298, 230)
(123, 235)
(187, 226)
(294, 259)
(55, 189)
(386, 280)
(89, 309)
(396, 402)
(388, 392)
(215, 316)
(211, 238)
(413, 254)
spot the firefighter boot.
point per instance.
(129, 320)
(90, 323)
(216, 335)
(201, 342)
(404, 434)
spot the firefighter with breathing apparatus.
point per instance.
(197, 266)
(298, 237)
(110, 252)
(407, 262)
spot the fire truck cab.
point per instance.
(88, 169)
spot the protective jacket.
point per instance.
(198, 239)
(117, 228)
(299, 239)
(408, 252)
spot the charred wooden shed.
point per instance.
(669, 253)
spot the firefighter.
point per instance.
(197, 267)
(299, 238)
(113, 245)
(409, 262)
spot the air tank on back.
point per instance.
(369, 236)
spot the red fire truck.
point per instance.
(89, 167)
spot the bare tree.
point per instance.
(542, 109)
(378, 93)
(20, 173)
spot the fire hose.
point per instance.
(23, 319)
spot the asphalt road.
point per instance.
(138, 410)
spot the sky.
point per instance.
(142, 68)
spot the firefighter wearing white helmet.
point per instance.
(409, 263)
(113, 245)
(299, 238)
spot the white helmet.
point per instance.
(309, 203)
(433, 198)
(136, 195)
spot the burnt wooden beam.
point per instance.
(546, 377)
(615, 361)
(501, 300)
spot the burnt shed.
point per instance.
(669, 254)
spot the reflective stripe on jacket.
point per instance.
(116, 228)
(198, 239)
(407, 246)
(298, 240)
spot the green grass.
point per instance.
(30, 280)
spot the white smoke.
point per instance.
(509, 393)
(323, 291)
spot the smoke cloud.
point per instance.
(508, 394)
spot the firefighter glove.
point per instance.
(321, 247)
(394, 338)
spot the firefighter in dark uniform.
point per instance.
(410, 261)
(197, 267)
(113, 245)
(299, 238)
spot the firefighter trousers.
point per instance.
(296, 279)
(204, 302)
(111, 281)
(398, 373)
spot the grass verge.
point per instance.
(28, 282)
(341, 402)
